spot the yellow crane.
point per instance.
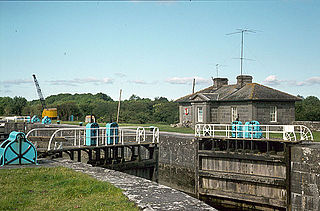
(50, 112)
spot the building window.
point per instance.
(273, 114)
(200, 114)
(234, 114)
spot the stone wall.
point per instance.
(285, 112)
(244, 109)
(185, 118)
(177, 161)
(312, 125)
(305, 177)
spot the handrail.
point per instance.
(291, 133)
(76, 135)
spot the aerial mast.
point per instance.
(242, 31)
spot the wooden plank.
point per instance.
(278, 182)
(242, 156)
(243, 197)
(246, 139)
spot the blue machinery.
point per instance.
(17, 150)
(112, 133)
(46, 120)
(35, 119)
(249, 130)
(92, 134)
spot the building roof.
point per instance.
(248, 92)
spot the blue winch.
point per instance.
(92, 134)
(46, 120)
(237, 129)
(112, 133)
(17, 150)
(252, 130)
(35, 119)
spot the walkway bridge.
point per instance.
(133, 150)
(247, 166)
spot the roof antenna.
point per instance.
(242, 31)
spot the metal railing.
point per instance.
(79, 137)
(271, 132)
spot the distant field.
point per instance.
(167, 128)
(58, 189)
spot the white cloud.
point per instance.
(313, 80)
(137, 81)
(79, 81)
(187, 80)
(273, 80)
(122, 75)
(16, 82)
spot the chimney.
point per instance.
(219, 82)
(242, 80)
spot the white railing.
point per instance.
(270, 132)
(79, 137)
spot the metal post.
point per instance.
(119, 106)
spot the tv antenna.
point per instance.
(217, 68)
(242, 31)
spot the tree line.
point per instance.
(133, 110)
(102, 106)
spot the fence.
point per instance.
(61, 137)
(291, 133)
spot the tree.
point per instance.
(308, 109)
(18, 104)
(67, 109)
(103, 96)
(134, 98)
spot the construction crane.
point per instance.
(50, 112)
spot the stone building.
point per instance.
(243, 101)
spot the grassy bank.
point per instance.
(58, 189)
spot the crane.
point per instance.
(43, 102)
(50, 112)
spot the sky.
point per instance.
(156, 48)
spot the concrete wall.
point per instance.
(177, 161)
(305, 177)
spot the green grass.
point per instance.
(58, 189)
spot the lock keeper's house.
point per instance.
(244, 101)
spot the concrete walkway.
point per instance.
(146, 194)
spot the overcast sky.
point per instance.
(156, 48)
